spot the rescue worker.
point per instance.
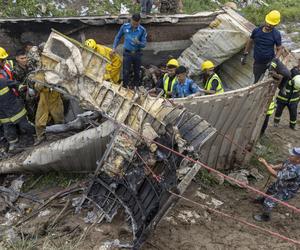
(135, 39)
(5, 67)
(184, 86)
(113, 69)
(50, 105)
(5, 73)
(21, 69)
(213, 83)
(33, 55)
(13, 115)
(27, 46)
(146, 7)
(26, 87)
(169, 79)
(288, 97)
(277, 67)
(286, 185)
(270, 112)
(265, 38)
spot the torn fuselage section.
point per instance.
(140, 163)
(135, 175)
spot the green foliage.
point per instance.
(33, 8)
(192, 6)
(206, 178)
(52, 179)
(103, 7)
(268, 150)
(289, 9)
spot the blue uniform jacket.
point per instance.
(286, 185)
(185, 89)
(133, 39)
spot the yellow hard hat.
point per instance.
(173, 62)
(3, 53)
(273, 17)
(207, 65)
(91, 43)
(296, 80)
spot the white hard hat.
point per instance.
(296, 80)
(295, 151)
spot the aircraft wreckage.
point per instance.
(131, 169)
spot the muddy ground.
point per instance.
(211, 231)
(187, 226)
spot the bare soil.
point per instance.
(211, 231)
(185, 227)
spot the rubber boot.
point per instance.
(293, 126)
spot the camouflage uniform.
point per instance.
(20, 74)
(34, 58)
(286, 185)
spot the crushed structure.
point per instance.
(132, 170)
(122, 179)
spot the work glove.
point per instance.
(22, 87)
(244, 59)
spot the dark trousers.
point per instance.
(146, 6)
(259, 70)
(265, 125)
(282, 70)
(10, 130)
(132, 61)
(292, 106)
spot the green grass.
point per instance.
(192, 6)
(289, 10)
(206, 178)
(268, 150)
(52, 179)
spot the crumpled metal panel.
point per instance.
(88, 146)
(224, 38)
(134, 173)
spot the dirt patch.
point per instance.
(187, 226)
(211, 231)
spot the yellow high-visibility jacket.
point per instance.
(113, 69)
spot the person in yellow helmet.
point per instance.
(113, 69)
(50, 105)
(212, 82)
(265, 38)
(169, 79)
(5, 67)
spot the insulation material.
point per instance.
(225, 37)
